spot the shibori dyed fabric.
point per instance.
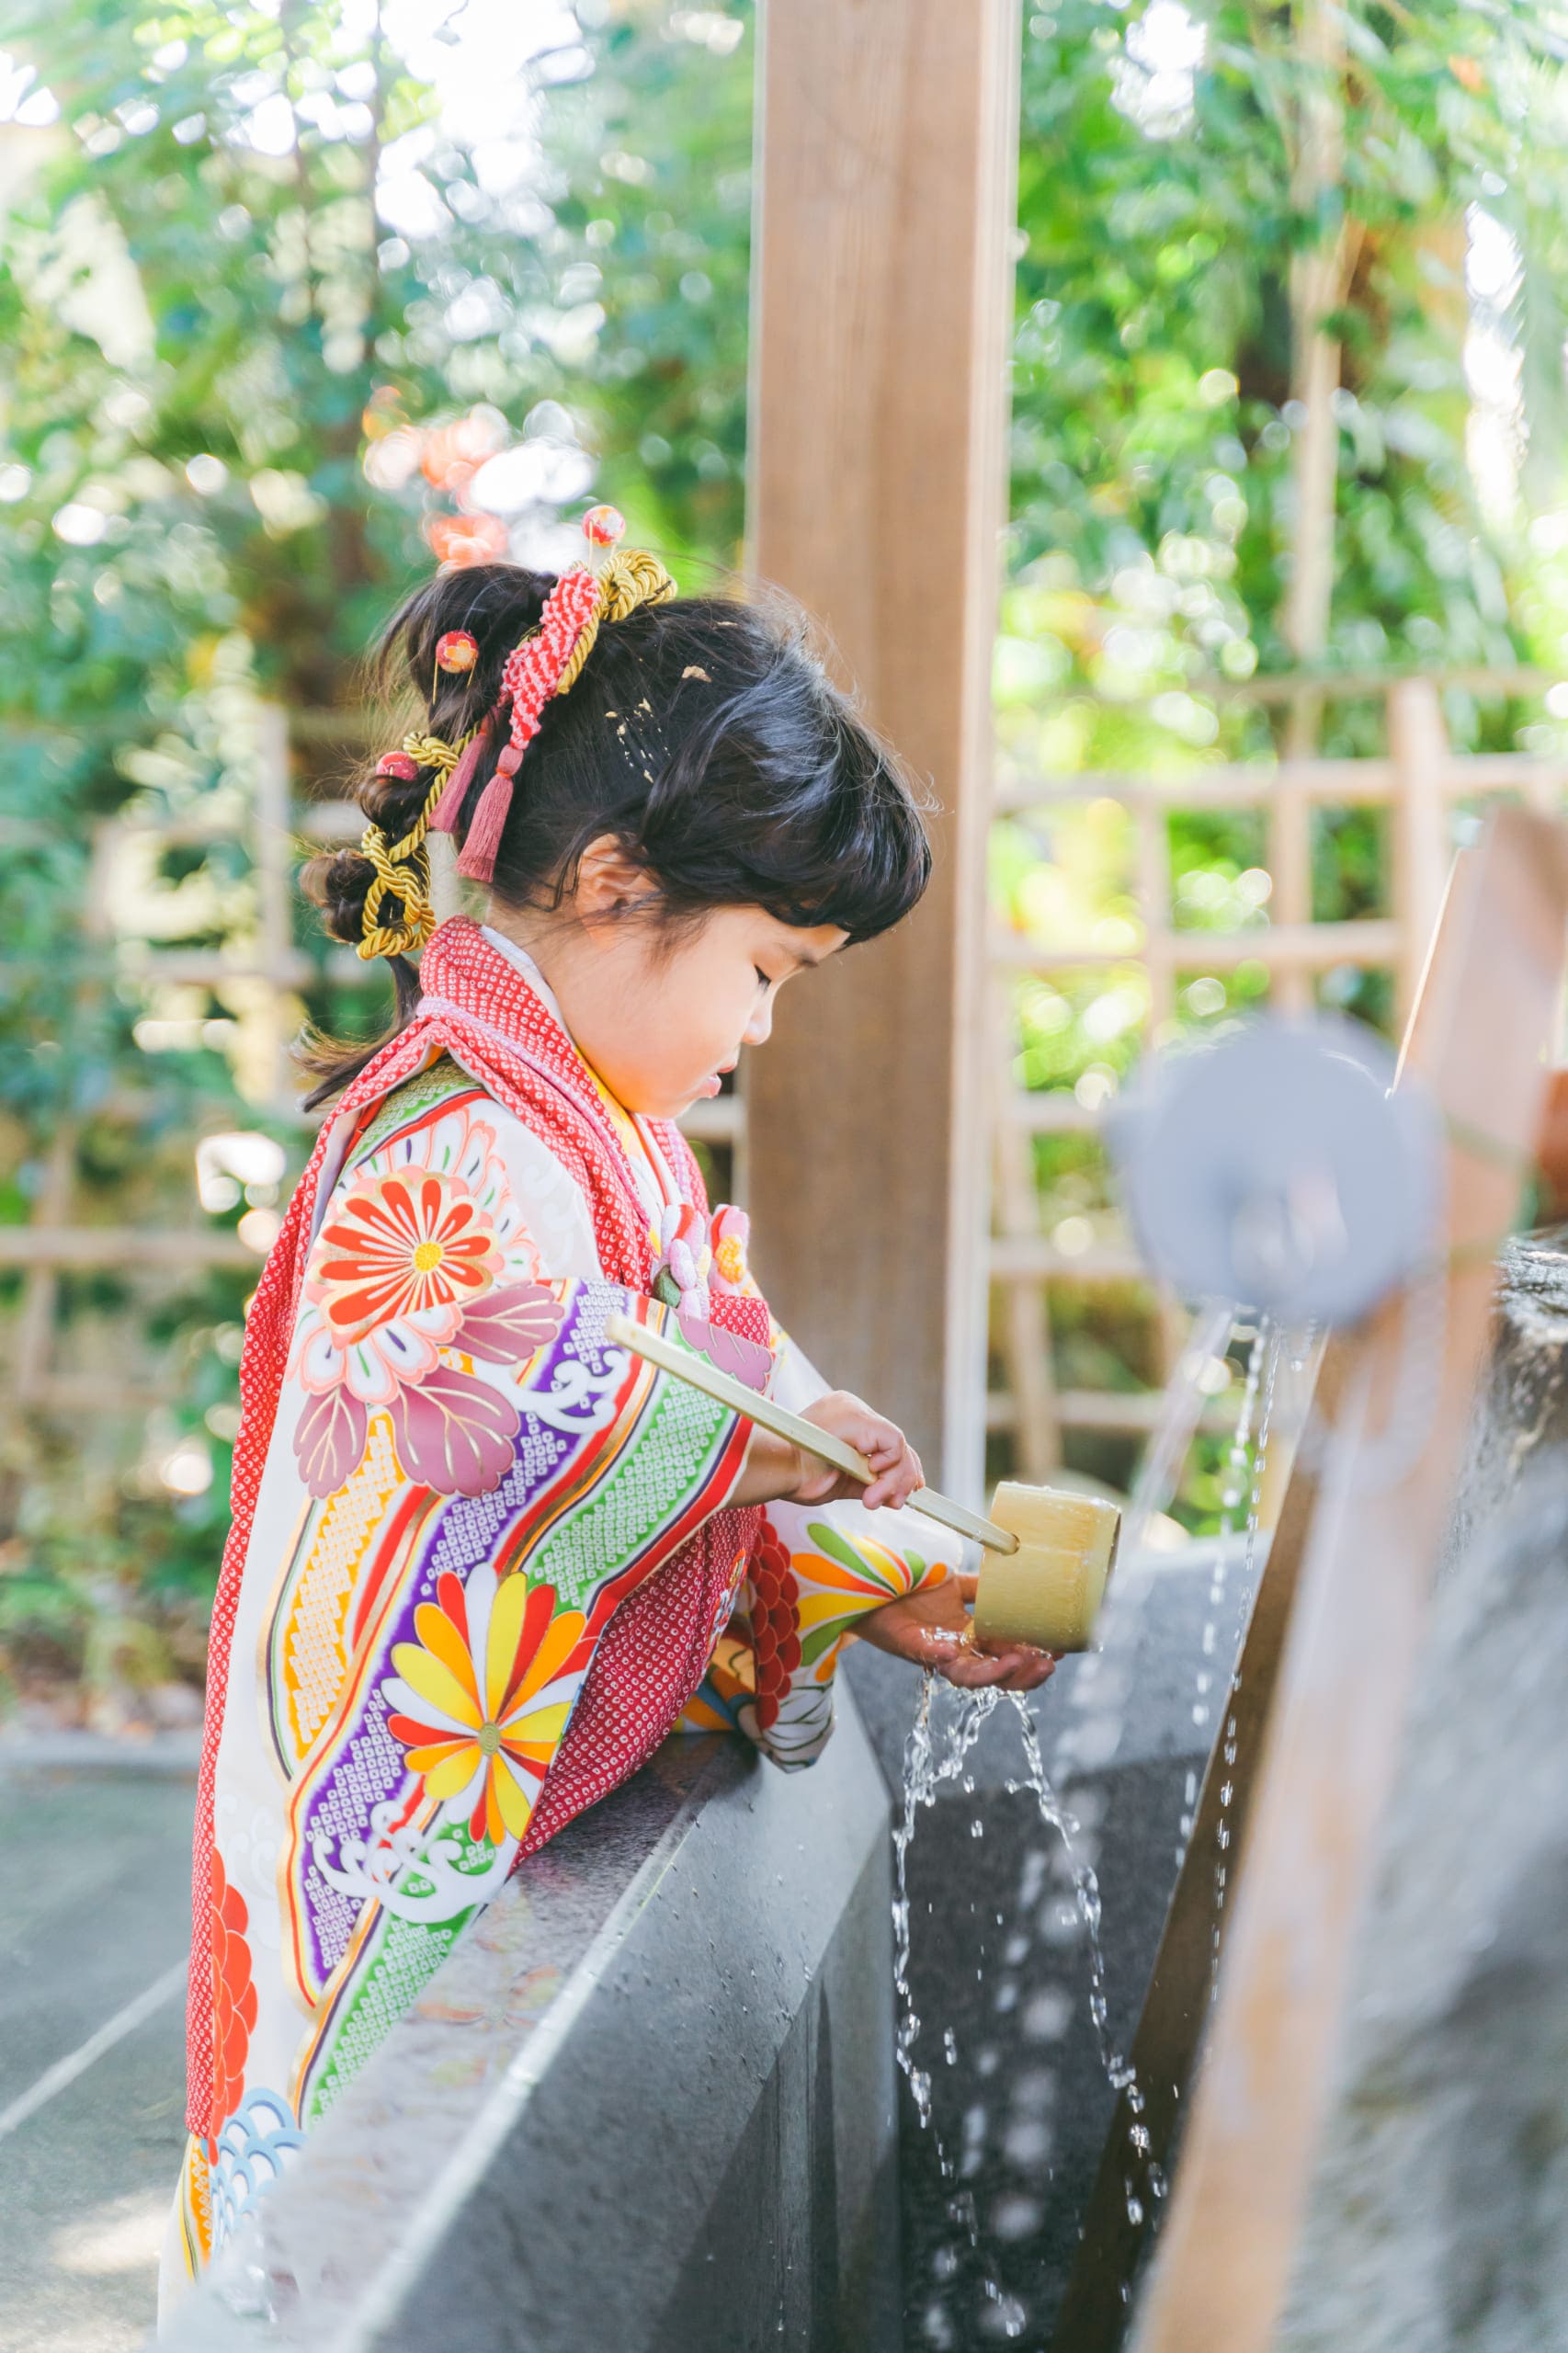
(481, 1563)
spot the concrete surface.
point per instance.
(95, 1921)
(1437, 2220)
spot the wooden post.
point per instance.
(1318, 275)
(880, 321)
(1152, 837)
(1485, 1012)
(1024, 1303)
(1418, 825)
(32, 1364)
(1319, 272)
(1290, 857)
(272, 850)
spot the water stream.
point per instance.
(941, 1755)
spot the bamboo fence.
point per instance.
(1420, 781)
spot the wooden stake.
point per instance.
(1483, 1016)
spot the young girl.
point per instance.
(483, 1562)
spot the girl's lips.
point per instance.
(711, 1086)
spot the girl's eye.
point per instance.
(763, 980)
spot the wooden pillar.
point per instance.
(881, 305)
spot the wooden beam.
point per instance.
(1305, 947)
(880, 323)
(128, 1248)
(1486, 1011)
(1333, 783)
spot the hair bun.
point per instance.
(338, 883)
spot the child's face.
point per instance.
(661, 1020)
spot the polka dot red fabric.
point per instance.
(652, 1655)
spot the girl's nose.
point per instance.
(759, 1029)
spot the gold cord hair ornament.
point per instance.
(626, 580)
(402, 867)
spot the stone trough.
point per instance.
(650, 2103)
(647, 2104)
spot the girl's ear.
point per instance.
(609, 880)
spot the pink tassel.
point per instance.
(478, 857)
(450, 806)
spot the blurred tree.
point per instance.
(1163, 208)
(300, 296)
(298, 300)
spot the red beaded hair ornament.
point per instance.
(456, 651)
(547, 662)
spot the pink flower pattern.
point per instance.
(422, 1258)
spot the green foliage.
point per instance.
(1152, 492)
(273, 290)
(1152, 436)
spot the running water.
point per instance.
(1263, 1373)
(940, 1755)
(936, 1754)
(1181, 1410)
(927, 1766)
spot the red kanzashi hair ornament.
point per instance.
(456, 651)
(545, 663)
(399, 766)
(533, 673)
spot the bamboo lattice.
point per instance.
(1418, 782)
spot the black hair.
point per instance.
(703, 733)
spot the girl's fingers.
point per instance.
(897, 1482)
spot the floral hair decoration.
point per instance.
(547, 662)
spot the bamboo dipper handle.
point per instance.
(688, 1366)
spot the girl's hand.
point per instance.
(776, 1471)
(882, 1442)
(932, 1627)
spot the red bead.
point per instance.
(602, 526)
(398, 765)
(456, 650)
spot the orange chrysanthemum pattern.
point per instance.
(408, 1242)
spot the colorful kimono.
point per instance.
(481, 1562)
